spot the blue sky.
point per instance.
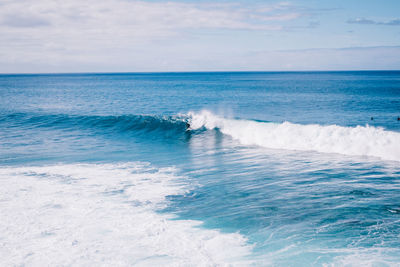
(128, 35)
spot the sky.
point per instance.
(53, 36)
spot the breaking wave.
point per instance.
(355, 141)
(360, 140)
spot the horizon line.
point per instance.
(194, 72)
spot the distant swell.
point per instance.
(360, 140)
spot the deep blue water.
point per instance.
(335, 201)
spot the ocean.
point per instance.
(200, 169)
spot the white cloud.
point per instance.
(364, 21)
(21, 20)
(53, 32)
(139, 17)
(351, 58)
(127, 35)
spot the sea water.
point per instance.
(200, 169)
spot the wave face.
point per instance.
(360, 140)
(103, 214)
(123, 123)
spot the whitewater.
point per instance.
(104, 214)
(358, 141)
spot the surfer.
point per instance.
(187, 126)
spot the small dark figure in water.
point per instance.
(372, 118)
(398, 118)
(187, 126)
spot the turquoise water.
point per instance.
(282, 168)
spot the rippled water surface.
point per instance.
(281, 169)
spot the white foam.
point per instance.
(360, 140)
(368, 257)
(89, 214)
